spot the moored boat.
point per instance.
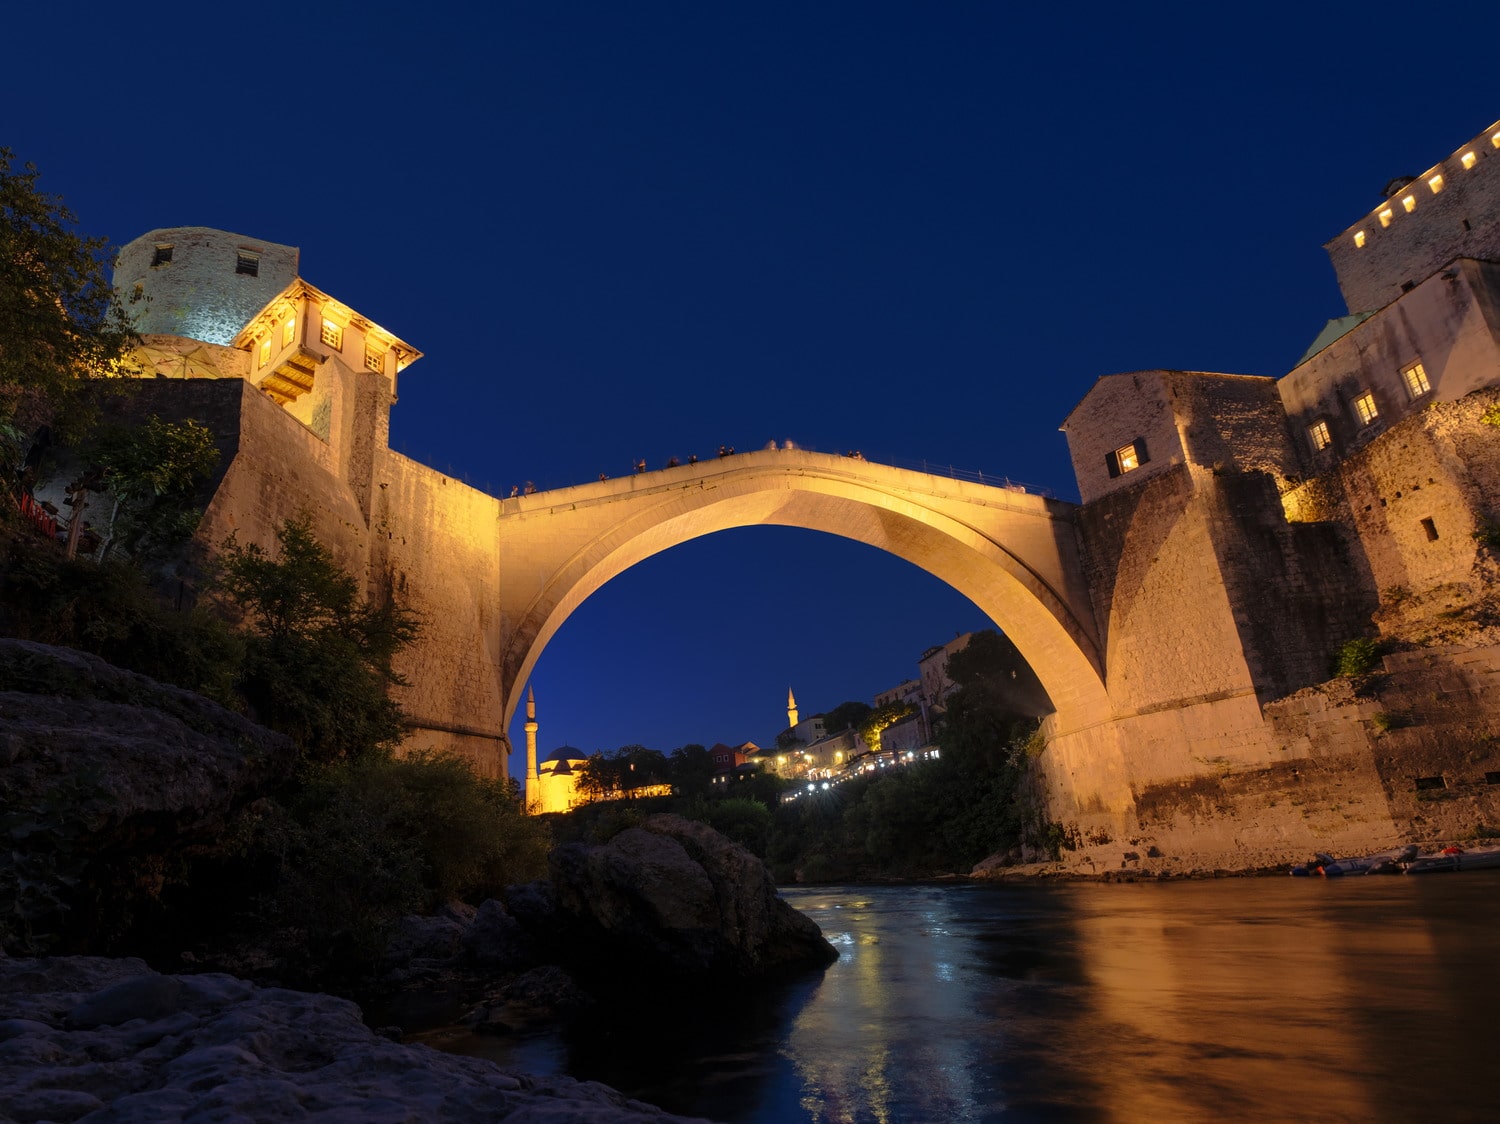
(1455, 858)
(1380, 862)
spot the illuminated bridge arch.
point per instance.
(1014, 555)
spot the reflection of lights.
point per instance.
(825, 786)
(812, 788)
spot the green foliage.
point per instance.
(318, 661)
(788, 740)
(880, 719)
(1491, 415)
(846, 715)
(1356, 657)
(60, 325)
(111, 611)
(606, 775)
(364, 842)
(153, 471)
(1488, 534)
(746, 821)
(691, 768)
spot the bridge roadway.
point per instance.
(1015, 555)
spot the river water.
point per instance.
(1256, 999)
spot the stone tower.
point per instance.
(791, 708)
(533, 781)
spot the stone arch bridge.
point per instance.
(1015, 555)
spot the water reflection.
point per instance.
(1246, 999)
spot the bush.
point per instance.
(1359, 656)
(365, 842)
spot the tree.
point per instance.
(844, 716)
(318, 661)
(153, 471)
(692, 770)
(881, 718)
(60, 324)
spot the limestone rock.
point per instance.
(217, 1048)
(673, 899)
(107, 771)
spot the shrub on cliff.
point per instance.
(318, 659)
(334, 864)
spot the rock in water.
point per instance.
(81, 1035)
(675, 899)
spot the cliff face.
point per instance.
(107, 776)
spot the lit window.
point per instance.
(375, 361)
(1386, 216)
(1364, 408)
(1359, 238)
(1416, 380)
(1127, 458)
(1435, 182)
(1468, 159)
(247, 263)
(1318, 434)
(333, 334)
(1409, 202)
(288, 330)
(162, 256)
(1495, 140)
(265, 351)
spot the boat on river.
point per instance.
(1381, 862)
(1455, 858)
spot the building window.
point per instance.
(1409, 202)
(289, 330)
(265, 351)
(1495, 140)
(1364, 407)
(1431, 528)
(375, 361)
(163, 256)
(247, 263)
(1468, 159)
(1386, 216)
(332, 334)
(1318, 434)
(1359, 238)
(1435, 182)
(1127, 458)
(1415, 377)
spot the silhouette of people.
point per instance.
(640, 465)
(530, 488)
(673, 462)
(515, 490)
(692, 458)
(603, 476)
(723, 452)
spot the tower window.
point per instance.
(332, 334)
(1431, 528)
(247, 263)
(1435, 182)
(1318, 434)
(1415, 378)
(1468, 159)
(1127, 458)
(1364, 407)
(1409, 202)
(1386, 215)
(374, 360)
(1495, 140)
(289, 330)
(1359, 238)
(162, 256)
(265, 351)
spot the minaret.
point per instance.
(533, 782)
(791, 708)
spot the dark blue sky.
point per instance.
(626, 230)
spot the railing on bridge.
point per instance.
(932, 468)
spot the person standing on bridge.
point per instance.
(640, 465)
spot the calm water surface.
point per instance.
(1363, 999)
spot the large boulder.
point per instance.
(674, 899)
(106, 777)
(86, 1035)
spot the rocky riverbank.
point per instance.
(94, 1039)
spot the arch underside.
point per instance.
(1058, 646)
